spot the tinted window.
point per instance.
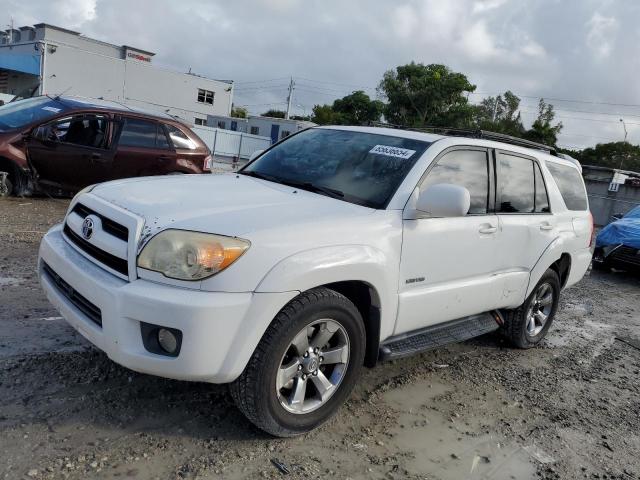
(570, 184)
(467, 168)
(542, 199)
(84, 130)
(141, 133)
(161, 140)
(515, 184)
(179, 139)
(365, 168)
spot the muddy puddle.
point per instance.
(452, 447)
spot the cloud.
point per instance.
(551, 48)
(601, 34)
(485, 5)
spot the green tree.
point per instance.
(542, 130)
(325, 115)
(419, 95)
(274, 113)
(354, 109)
(239, 112)
(358, 109)
(622, 155)
(500, 114)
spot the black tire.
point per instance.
(601, 266)
(255, 392)
(7, 189)
(517, 320)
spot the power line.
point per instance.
(262, 81)
(592, 102)
(336, 83)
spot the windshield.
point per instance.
(357, 167)
(23, 112)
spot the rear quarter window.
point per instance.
(570, 184)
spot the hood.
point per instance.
(625, 231)
(228, 204)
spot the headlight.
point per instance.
(185, 255)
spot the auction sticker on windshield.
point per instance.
(392, 151)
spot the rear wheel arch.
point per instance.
(562, 267)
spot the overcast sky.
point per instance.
(582, 50)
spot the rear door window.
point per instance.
(570, 184)
(466, 168)
(179, 139)
(542, 198)
(142, 134)
(516, 185)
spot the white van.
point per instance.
(336, 248)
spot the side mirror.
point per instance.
(255, 154)
(444, 200)
(44, 133)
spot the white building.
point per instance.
(55, 60)
(275, 128)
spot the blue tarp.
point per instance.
(20, 62)
(625, 231)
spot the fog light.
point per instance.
(167, 340)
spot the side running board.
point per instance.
(438, 335)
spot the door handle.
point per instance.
(97, 158)
(487, 230)
(546, 226)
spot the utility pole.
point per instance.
(624, 125)
(495, 110)
(10, 30)
(290, 97)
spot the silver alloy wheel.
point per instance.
(540, 309)
(313, 366)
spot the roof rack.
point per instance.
(474, 133)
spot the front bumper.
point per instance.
(219, 330)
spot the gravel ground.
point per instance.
(567, 409)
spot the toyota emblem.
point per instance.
(87, 228)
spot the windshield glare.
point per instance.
(23, 112)
(365, 168)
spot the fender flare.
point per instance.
(551, 254)
(339, 263)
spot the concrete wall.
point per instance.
(604, 204)
(90, 68)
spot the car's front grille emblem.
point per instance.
(87, 228)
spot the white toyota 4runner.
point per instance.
(336, 248)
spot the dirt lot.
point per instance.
(568, 409)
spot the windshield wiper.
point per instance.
(261, 176)
(329, 192)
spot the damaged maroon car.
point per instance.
(62, 144)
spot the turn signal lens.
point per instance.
(185, 255)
